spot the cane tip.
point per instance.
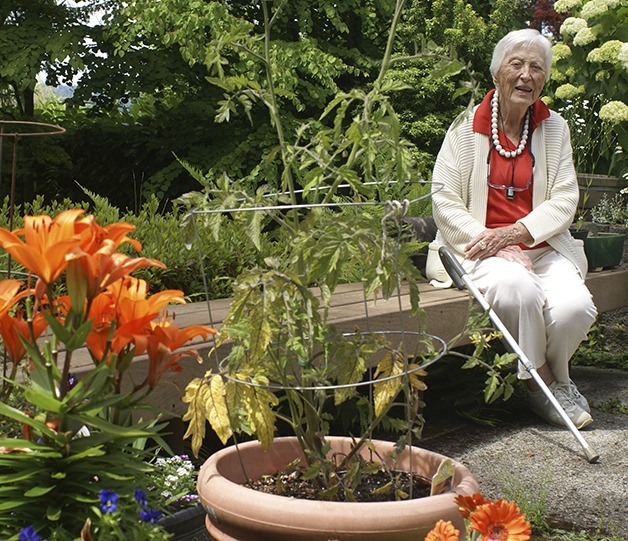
(592, 456)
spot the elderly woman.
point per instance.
(509, 196)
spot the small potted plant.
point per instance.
(173, 483)
(288, 366)
(606, 248)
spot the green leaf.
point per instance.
(36, 492)
(53, 513)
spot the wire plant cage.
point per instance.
(295, 335)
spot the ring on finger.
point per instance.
(482, 245)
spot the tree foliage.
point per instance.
(147, 94)
(41, 35)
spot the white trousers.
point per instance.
(548, 311)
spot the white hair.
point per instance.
(524, 38)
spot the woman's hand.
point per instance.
(516, 255)
(491, 241)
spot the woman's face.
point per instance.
(521, 76)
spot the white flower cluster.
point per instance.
(560, 51)
(607, 52)
(569, 91)
(572, 25)
(178, 474)
(614, 112)
(563, 6)
(594, 8)
(623, 56)
(584, 37)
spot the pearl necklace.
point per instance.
(495, 133)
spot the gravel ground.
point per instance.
(525, 454)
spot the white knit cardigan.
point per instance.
(460, 193)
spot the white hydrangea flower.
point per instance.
(623, 55)
(569, 91)
(560, 51)
(594, 8)
(562, 6)
(557, 75)
(607, 52)
(572, 25)
(601, 75)
(584, 37)
(614, 112)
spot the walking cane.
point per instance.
(462, 280)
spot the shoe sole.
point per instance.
(586, 422)
(560, 423)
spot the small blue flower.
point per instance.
(108, 501)
(29, 534)
(152, 515)
(140, 498)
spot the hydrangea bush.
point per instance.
(589, 83)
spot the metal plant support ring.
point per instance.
(15, 130)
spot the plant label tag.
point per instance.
(443, 478)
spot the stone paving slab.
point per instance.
(544, 461)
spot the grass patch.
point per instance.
(598, 351)
(614, 405)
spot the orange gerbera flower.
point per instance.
(443, 531)
(500, 521)
(468, 504)
(46, 243)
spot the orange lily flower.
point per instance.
(125, 303)
(500, 521)
(88, 274)
(95, 264)
(94, 235)
(46, 243)
(9, 295)
(443, 531)
(164, 340)
(12, 328)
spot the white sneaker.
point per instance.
(564, 393)
(541, 405)
(577, 397)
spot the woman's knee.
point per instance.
(573, 312)
(516, 290)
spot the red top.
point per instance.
(506, 172)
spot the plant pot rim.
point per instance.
(336, 520)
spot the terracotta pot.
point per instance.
(238, 513)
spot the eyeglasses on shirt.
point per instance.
(511, 189)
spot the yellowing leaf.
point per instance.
(195, 414)
(415, 378)
(350, 370)
(384, 392)
(206, 403)
(216, 410)
(259, 403)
